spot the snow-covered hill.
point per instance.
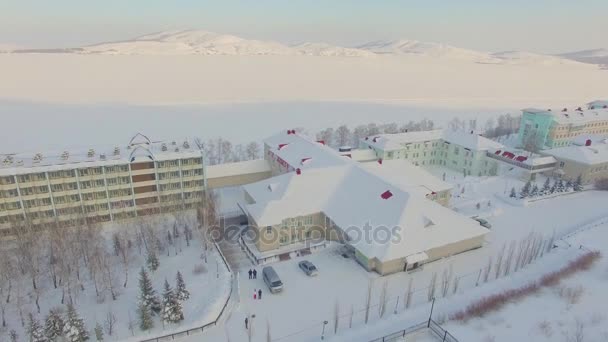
(414, 47)
(595, 56)
(523, 57)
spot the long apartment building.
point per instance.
(141, 178)
(542, 129)
(464, 152)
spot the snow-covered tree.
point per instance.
(513, 193)
(172, 308)
(53, 326)
(525, 191)
(569, 185)
(152, 261)
(145, 317)
(534, 191)
(13, 336)
(180, 288)
(546, 187)
(74, 328)
(98, 332)
(147, 294)
(578, 183)
(35, 330)
(559, 187)
(554, 187)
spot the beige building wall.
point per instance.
(568, 169)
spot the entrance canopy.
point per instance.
(414, 258)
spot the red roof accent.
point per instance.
(433, 193)
(387, 194)
(588, 142)
(282, 145)
(497, 152)
(298, 171)
(321, 142)
(380, 161)
(305, 159)
(505, 153)
(521, 158)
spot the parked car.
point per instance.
(308, 268)
(272, 280)
(482, 222)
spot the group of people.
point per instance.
(253, 274)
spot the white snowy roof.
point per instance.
(301, 152)
(596, 153)
(239, 168)
(472, 141)
(361, 155)
(578, 115)
(387, 142)
(407, 176)
(353, 197)
(597, 104)
(139, 149)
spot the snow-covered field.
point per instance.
(298, 313)
(208, 290)
(191, 79)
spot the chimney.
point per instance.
(298, 171)
(386, 195)
(565, 110)
(380, 161)
(588, 142)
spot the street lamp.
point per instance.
(323, 333)
(431, 315)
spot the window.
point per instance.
(269, 230)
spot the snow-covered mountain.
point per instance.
(414, 47)
(595, 56)
(198, 42)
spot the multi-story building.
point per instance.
(546, 128)
(586, 157)
(98, 186)
(388, 213)
(459, 151)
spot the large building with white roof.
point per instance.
(97, 185)
(546, 128)
(586, 157)
(391, 220)
(464, 152)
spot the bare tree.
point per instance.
(252, 150)
(343, 135)
(408, 295)
(368, 300)
(327, 136)
(509, 260)
(455, 287)
(390, 128)
(110, 322)
(498, 267)
(352, 314)
(487, 270)
(446, 279)
(432, 287)
(336, 316)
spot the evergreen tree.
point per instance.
(74, 328)
(525, 191)
(35, 330)
(13, 336)
(98, 332)
(578, 184)
(172, 308)
(145, 317)
(554, 187)
(546, 187)
(152, 261)
(569, 185)
(180, 288)
(53, 326)
(560, 186)
(147, 295)
(534, 191)
(513, 193)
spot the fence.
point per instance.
(432, 325)
(201, 329)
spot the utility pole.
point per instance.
(431, 315)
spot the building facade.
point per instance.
(459, 151)
(546, 129)
(140, 179)
(586, 157)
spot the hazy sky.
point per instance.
(493, 25)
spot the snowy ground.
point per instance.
(208, 293)
(552, 314)
(298, 313)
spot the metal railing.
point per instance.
(200, 329)
(440, 332)
(432, 325)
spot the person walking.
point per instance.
(260, 294)
(246, 323)
(255, 274)
(255, 294)
(250, 273)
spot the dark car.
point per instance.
(482, 222)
